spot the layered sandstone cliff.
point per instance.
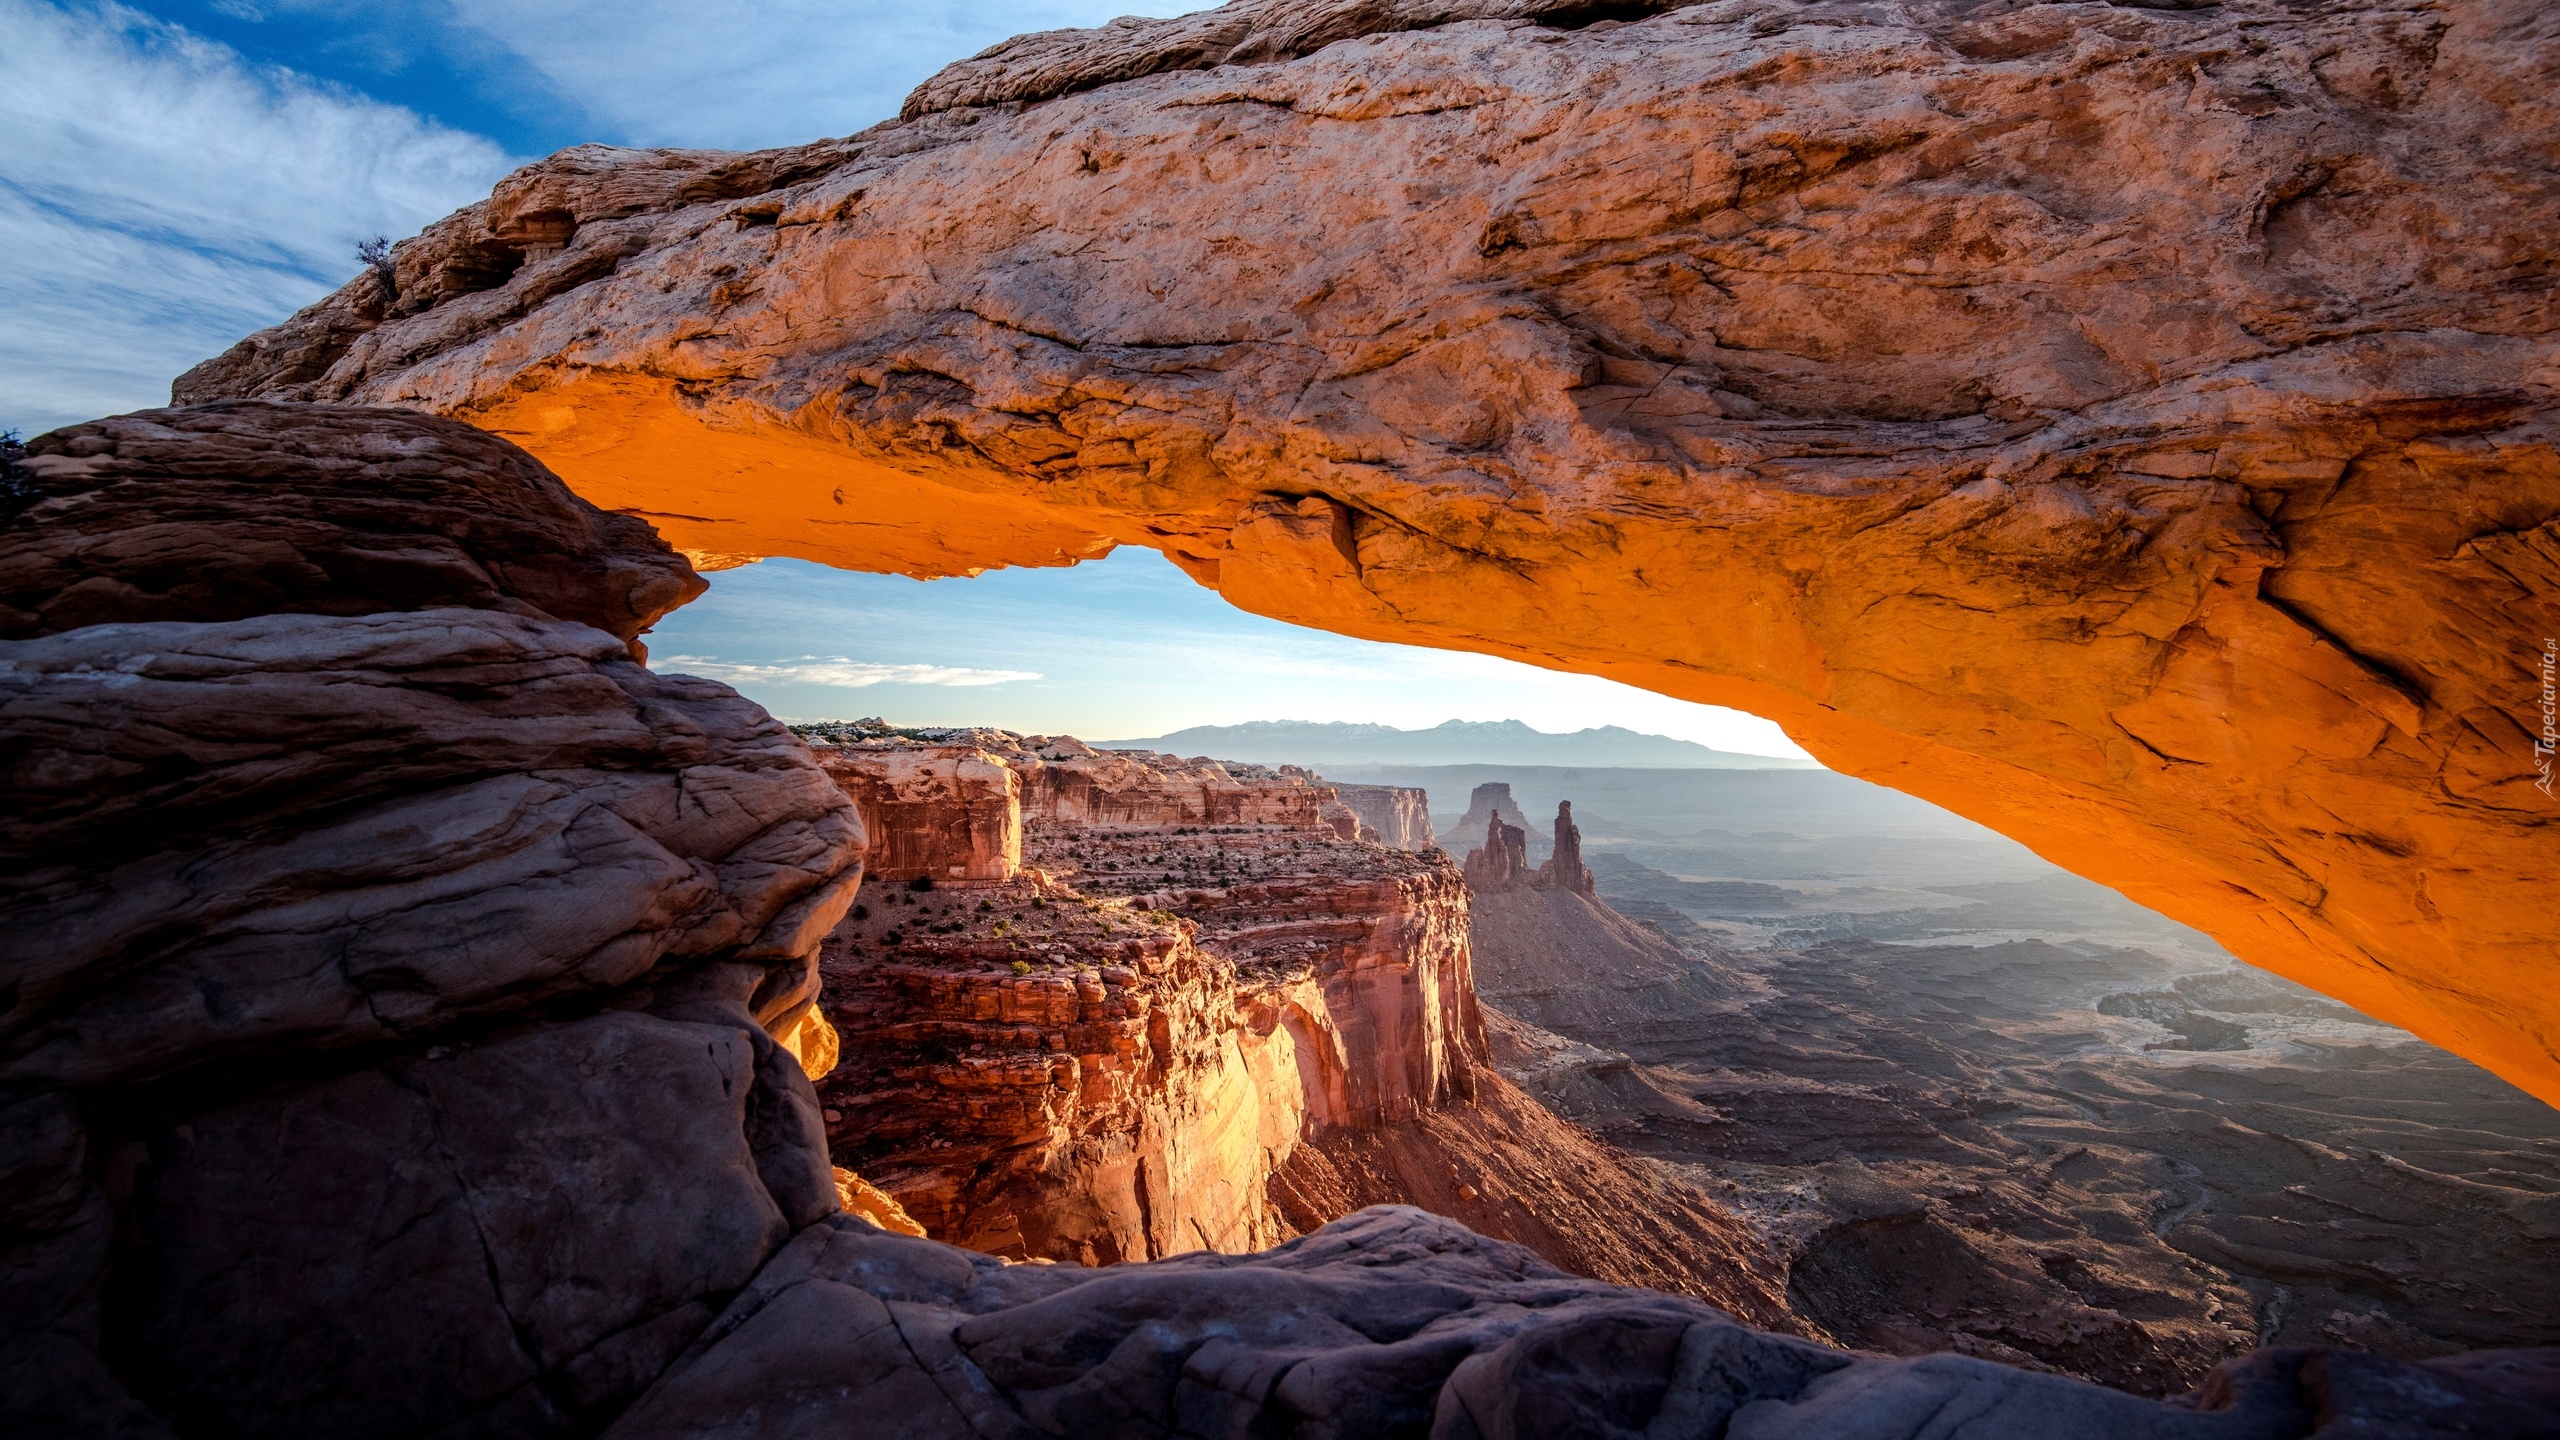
(2130, 426)
(1106, 1055)
(1398, 815)
(1160, 1037)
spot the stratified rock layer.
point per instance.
(2130, 426)
(395, 975)
(223, 512)
(1397, 815)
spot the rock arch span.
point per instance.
(2130, 427)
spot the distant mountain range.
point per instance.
(1458, 742)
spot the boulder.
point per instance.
(221, 512)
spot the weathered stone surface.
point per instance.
(1398, 1323)
(2130, 427)
(1108, 1057)
(537, 1186)
(389, 985)
(951, 814)
(309, 832)
(1187, 1036)
(1501, 861)
(529, 1228)
(221, 512)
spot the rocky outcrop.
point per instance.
(1487, 803)
(1397, 1323)
(392, 965)
(1180, 1037)
(225, 512)
(1502, 862)
(1564, 869)
(2129, 426)
(1397, 815)
(440, 1095)
(951, 814)
(1031, 1074)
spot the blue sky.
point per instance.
(177, 175)
(1112, 649)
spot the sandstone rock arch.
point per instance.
(2131, 427)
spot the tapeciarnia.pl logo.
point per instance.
(2548, 662)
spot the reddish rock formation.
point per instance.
(1564, 869)
(1173, 1037)
(1397, 815)
(1028, 1076)
(2129, 426)
(1502, 862)
(948, 813)
(1061, 1067)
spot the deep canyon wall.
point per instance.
(2128, 426)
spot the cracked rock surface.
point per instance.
(2128, 425)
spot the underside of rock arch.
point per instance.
(2130, 426)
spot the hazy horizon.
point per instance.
(1119, 647)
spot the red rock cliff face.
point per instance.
(952, 814)
(1105, 1055)
(2130, 426)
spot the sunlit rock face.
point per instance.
(1104, 1048)
(2128, 426)
(949, 814)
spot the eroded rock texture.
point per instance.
(2127, 425)
(1164, 1036)
(1398, 1323)
(392, 967)
(223, 512)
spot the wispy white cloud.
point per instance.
(160, 197)
(839, 672)
(750, 73)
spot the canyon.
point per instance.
(1181, 1010)
(416, 1013)
(2129, 426)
